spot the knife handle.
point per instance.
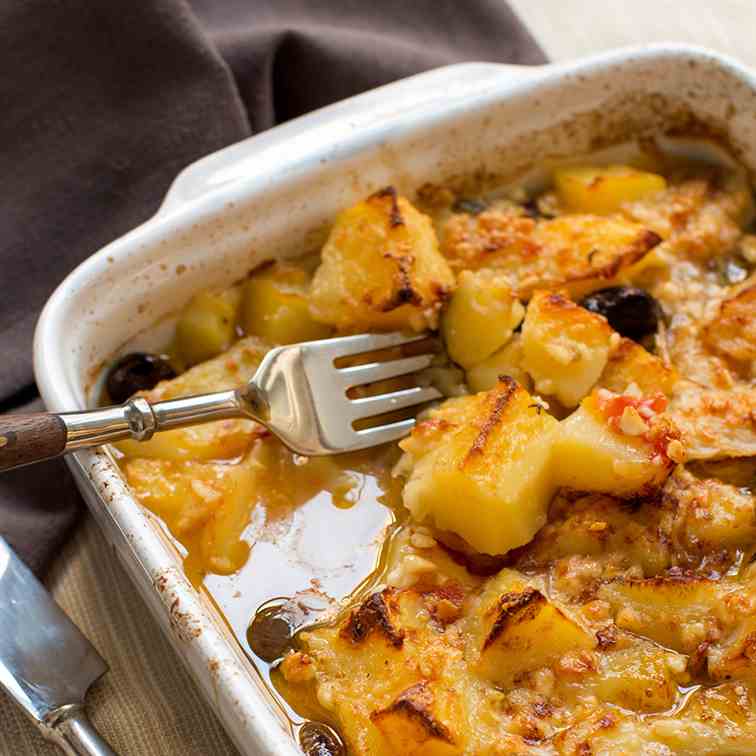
(74, 733)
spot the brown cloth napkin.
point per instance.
(105, 101)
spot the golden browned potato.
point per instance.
(715, 423)
(604, 189)
(480, 466)
(629, 363)
(507, 361)
(381, 269)
(524, 631)
(205, 505)
(711, 515)
(481, 317)
(275, 306)
(676, 611)
(413, 724)
(580, 253)
(207, 326)
(420, 707)
(733, 331)
(564, 347)
(638, 675)
(617, 445)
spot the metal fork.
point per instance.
(297, 392)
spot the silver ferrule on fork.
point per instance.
(139, 420)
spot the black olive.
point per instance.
(272, 630)
(531, 209)
(318, 739)
(137, 372)
(631, 312)
(469, 206)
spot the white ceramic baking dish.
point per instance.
(273, 195)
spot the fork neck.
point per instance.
(140, 420)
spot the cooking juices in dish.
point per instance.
(558, 559)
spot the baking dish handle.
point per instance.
(279, 149)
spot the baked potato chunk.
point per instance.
(205, 505)
(507, 361)
(413, 723)
(420, 707)
(616, 444)
(678, 612)
(616, 533)
(207, 326)
(733, 331)
(715, 423)
(629, 363)
(602, 190)
(710, 515)
(275, 306)
(716, 720)
(481, 317)
(695, 219)
(580, 253)
(524, 631)
(565, 347)
(637, 675)
(381, 269)
(480, 466)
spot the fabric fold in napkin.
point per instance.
(105, 101)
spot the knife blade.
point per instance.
(46, 663)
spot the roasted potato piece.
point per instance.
(678, 612)
(275, 306)
(222, 439)
(620, 534)
(481, 317)
(420, 707)
(603, 189)
(207, 326)
(524, 631)
(733, 330)
(480, 466)
(381, 269)
(638, 675)
(630, 363)
(565, 348)
(581, 253)
(607, 731)
(607, 445)
(716, 720)
(507, 361)
(735, 656)
(694, 219)
(205, 506)
(412, 724)
(709, 514)
(715, 423)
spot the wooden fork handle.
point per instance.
(25, 439)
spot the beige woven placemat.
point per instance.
(147, 705)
